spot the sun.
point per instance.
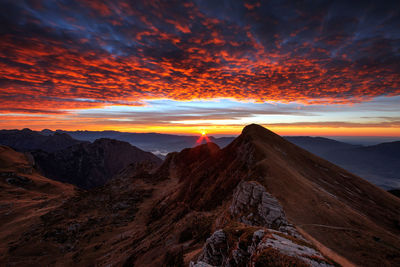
(203, 137)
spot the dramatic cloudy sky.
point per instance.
(297, 67)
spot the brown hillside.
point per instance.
(24, 196)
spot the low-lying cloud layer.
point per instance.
(58, 55)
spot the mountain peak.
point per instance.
(252, 127)
(258, 131)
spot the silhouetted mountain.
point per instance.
(261, 200)
(318, 145)
(390, 149)
(28, 140)
(379, 164)
(90, 164)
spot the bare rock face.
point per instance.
(253, 205)
(215, 250)
(200, 264)
(261, 247)
(290, 248)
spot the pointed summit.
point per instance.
(256, 132)
(255, 129)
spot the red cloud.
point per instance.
(183, 59)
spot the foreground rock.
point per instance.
(241, 246)
(245, 245)
(253, 205)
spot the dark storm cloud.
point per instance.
(83, 54)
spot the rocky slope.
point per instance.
(261, 201)
(89, 165)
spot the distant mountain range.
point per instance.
(28, 140)
(378, 163)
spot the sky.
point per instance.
(328, 68)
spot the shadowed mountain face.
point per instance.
(90, 164)
(27, 140)
(261, 200)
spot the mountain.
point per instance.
(319, 145)
(390, 149)
(25, 195)
(28, 140)
(260, 201)
(60, 157)
(378, 164)
(89, 165)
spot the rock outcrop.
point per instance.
(215, 250)
(257, 247)
(253, 205)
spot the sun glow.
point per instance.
(203, 137)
